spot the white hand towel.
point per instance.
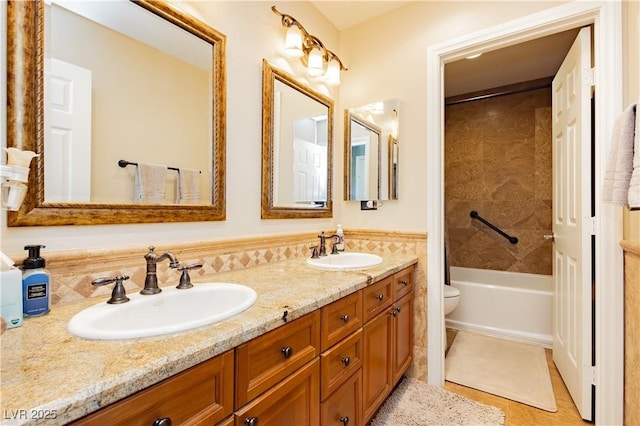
(188, 186)
(151, 183)
(634, 185)
(620, 165)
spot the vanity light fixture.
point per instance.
(319, 60)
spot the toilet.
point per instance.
(451, 298)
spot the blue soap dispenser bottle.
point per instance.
(35, 283)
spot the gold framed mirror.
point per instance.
(27, 52)
(297, 144)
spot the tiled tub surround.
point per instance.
(498, 162)
(45, 367)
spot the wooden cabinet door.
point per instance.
(294, 401)
(202, 395)
(402, 336)
(344, 406)
(377, 372)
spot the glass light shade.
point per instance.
(315, 63)
(293, 42)
(333, 73)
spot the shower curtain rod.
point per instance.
(496, 94)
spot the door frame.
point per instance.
(605, 16)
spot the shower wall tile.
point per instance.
(543, 154)
(498, 162)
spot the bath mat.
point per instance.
(512, 370)
(416, 403)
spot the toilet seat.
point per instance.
(451, 292)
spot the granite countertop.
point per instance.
(49, 376)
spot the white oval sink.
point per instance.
(167, 312)
(345, 260)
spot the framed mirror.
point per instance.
(371, 151)
(145, 102)
(362, 170)
(297, 128)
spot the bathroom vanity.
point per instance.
(317, 347)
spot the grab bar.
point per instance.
(474, 214)
(125, 163)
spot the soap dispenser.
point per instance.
(35, 283)
(340, 242)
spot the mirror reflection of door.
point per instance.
(310, 162)
(67, 153)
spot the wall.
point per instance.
(253, 32)
(498, 163)
(395, 46)
(158, 134)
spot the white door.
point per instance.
(67, 150)
(310, 160)
(572, 329)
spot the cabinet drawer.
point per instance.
(340, 318)
(344, 407)
(200, 395)
(340, 362)
(377, 297)
(267, 359)
(294, 401)
(402, 282)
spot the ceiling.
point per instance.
(523, 62)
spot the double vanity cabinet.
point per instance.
(333, 366)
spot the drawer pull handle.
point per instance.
(253, 421)
(286, 352)
(380, 297)
(165, 421)
(404, 282)
(394, 312)
(344, 420)
(344, 317)
(346, 361)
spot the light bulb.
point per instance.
(315, 65)
(293, 42)
(333, 73)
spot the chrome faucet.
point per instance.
(151, 281)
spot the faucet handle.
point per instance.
(334, 248)
(119, 293)
(314, 253)
(185, 279)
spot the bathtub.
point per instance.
(505, 304)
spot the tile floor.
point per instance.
(521, 414)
